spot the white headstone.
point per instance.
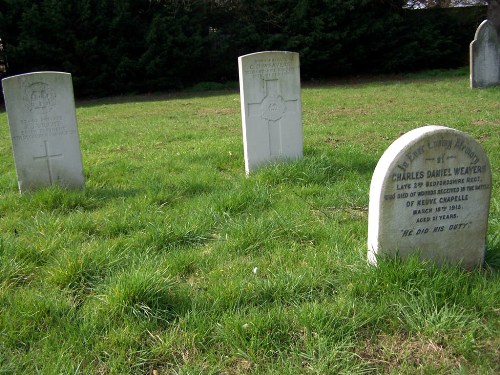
(430, 195)
(270, 107)
(42, 119)
(485, 56)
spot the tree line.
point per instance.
(122, 46)
(419, 4)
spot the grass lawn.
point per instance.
(172, 261)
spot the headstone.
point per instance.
(270, 107)
(430, 195)
(485, 57)
(42, 119)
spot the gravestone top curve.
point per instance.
(485, 56)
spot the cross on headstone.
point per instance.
(47, 156)
(42, 120)
(272, 108)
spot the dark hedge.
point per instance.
(124, 46)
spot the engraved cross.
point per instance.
(272, 108)
(47, 156)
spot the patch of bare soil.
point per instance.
(390, 353)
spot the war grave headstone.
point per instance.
(485, 56)
(41, 113)
(270, 107)
(430, 195)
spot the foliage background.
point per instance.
(124, 46)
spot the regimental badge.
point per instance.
(39, 98)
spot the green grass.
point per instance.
(172, 261)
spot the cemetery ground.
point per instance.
(173, 261)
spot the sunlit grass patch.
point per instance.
(172, 260)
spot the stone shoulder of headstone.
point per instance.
(270, 107)
(485, 56)
(42, 119)
(430, 195)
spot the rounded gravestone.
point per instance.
(430, 195)
(485, 56)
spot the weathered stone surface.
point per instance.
(430, 194)
(270, 107)
(485, 57)
(42, 119)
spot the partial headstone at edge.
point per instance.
(41, 113)
(270, 107)
(485, 57)
(430, 195)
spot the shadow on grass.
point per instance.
(353, 160)
(361, 80)
(318, 167)
(491, 262)
(107, 194)
(57, 199)
(153, 97)
(87, 199)
(492, 258)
